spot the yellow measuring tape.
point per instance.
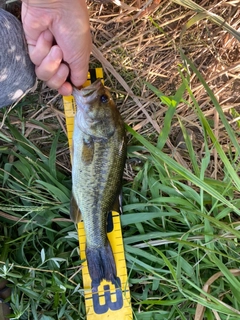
(111, 301)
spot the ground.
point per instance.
(183, 169)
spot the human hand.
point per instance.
(66, 23)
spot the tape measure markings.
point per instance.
(112, 301)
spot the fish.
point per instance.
(98, 160)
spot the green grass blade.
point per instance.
(182, 171)
(171, 103)
(216, 105)
(210, 15)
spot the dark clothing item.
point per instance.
(17, 73)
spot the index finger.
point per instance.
(42, 48)
(32, 26)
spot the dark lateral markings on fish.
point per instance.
(114, 306)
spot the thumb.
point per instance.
(79, 70)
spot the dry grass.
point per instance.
(139, 51)
(139, 41)
(134, 46)
(147, 49)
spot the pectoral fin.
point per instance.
(75, 213)
(117, 205)
(87, 150)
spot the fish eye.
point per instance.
(104, 98)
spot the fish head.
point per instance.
(96, 110)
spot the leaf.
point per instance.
(182, 171)
(52, 156)
(43, 255)
(127, 219)
(56, 192)
(44, 317)
(219, 110)
(30, 293)
(210, 15)
(172, 104)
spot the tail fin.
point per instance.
(101, 265)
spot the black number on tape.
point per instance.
(108, 303)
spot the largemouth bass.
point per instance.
(98, 158)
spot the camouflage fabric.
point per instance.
(17, 73)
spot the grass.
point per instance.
(180, 226)
(186, 230)
(181, 194)
(39, 252)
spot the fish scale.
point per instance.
(110, 301)
(91, 202)
(99, 152)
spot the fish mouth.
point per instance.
(89, 91)
(88, 94)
